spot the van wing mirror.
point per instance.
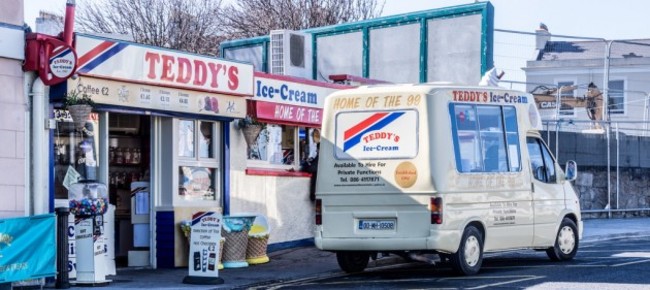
(571, 170)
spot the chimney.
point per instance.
(541, 37)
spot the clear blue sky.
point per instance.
(610, 19)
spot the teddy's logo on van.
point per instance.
(369, 129)
(381, 136)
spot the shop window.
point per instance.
(75, 152)
(199, 166)
(197, 183)
(283, 147)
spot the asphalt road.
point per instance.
(620, 263)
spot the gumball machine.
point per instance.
(88, 203)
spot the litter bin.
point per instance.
(235, 230)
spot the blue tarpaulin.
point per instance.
(27, 248)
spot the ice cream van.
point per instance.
(440, 173)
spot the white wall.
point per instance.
(12, 123)
(284, 200)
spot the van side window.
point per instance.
(541, 162)
(485, 138)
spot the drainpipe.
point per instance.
(39, 149)
(28, 80)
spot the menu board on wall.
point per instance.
(159, 98)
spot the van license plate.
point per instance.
(377, 225)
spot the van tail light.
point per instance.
(435, 206)
(318, 210)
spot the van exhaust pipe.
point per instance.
(422, 258)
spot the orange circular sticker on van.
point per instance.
(406, 174)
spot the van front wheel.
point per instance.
(469, 257)
(566, 242)
(352, 261)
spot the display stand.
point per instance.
(88, 202)
(205, 234)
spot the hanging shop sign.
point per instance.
(130, 62)
(159, 98)
(291, 100)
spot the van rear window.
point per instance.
(486, 138)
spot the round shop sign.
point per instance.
(406, 174)
(63, 62)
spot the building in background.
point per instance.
(49, 23)
(577, 62)
(13, 113)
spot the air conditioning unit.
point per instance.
(291, 53)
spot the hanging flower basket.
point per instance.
(251, 132)
(80, 114)
(79, 105)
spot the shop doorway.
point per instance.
(129, 187)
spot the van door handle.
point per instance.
(532, 187)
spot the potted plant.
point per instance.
(251, 128)
(79, 105)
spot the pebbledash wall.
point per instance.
(13, 113)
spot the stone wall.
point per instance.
(634, 191)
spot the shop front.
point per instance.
(269, 169)
(158, 137)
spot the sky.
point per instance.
(609, 19)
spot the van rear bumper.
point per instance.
(439, 240)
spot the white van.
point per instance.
(428, 169)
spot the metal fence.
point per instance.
(613, 163)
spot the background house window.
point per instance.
(566, 110)
(616, 97)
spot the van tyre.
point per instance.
(469, 257)
(352, 261)
(566, 242)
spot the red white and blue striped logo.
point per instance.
(377, 121)
(99, 54)
(365, 135)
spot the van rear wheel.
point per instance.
(566, 242)
(352, 261)
(469, 257)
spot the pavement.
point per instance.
(311, 263)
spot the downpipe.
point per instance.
(39, 169)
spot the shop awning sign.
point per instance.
(150, 97)
(291, 100)
(283, 113)
(135, 63)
